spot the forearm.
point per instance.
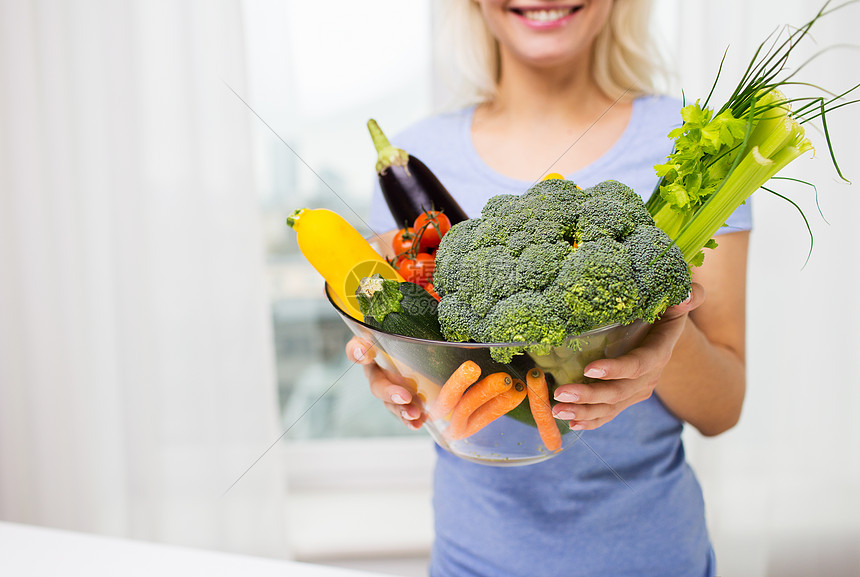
(704, 384)
(705, 381)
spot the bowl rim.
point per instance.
(469, 345)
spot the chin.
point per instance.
(552, 57)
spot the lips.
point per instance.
(542, 16)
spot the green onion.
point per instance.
(721, 158)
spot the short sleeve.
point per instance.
(740, 219)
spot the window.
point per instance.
(316, 73)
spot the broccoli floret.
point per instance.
(621, 191)
(491, 232)
(554, 187)
(555, 262)
(661, 273)
(538, 264)
(612, 209)
(525, 317)
(491, 275)
(557, 201)
(501, 205)
(460, 320)
(457, 242)
(598, 285)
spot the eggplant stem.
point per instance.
(388, 155)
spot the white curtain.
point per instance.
(782, 487)
(136, 361)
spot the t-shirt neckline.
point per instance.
(585, 174)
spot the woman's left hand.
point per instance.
(628, 379)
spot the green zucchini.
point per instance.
(401, 308)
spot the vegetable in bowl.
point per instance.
(555, 262)
(564, 274)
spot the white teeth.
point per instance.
(545, 15)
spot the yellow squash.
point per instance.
(339, 253)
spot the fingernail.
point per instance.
(359, 353)
(577, 427)
(397, 399)
(566, 397)
(595, 373)
(565, 414)
(686, 300)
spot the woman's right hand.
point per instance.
(384, 386)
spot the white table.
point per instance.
(28, 551)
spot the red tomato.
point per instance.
(418, 270)
(431, 226)
(403, 240)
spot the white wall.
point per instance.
(781, 487)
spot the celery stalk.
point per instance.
(723, 157)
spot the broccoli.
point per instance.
(661, 273)
(598, 286)
(555, 262)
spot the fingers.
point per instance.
(360, 351)
(588, 406)
(624, 381)
(695, 300)
(656, 348)
(628, 379)
(651, 356)
(582, 416)
(592, 400)
(609, 393)
(396, 398)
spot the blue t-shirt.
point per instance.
(622, 501)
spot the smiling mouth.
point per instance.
(545, 14)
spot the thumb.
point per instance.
(360, 351)
(695, 300)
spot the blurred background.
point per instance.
(169, 370)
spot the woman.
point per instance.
(566, 87)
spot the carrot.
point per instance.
(453, 389)
(432, 290)
(478, 394)
(541, 409)
(499, 405)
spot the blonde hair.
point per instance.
(625, 61)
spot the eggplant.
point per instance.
(409, 187)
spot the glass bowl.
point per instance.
(423, 366)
